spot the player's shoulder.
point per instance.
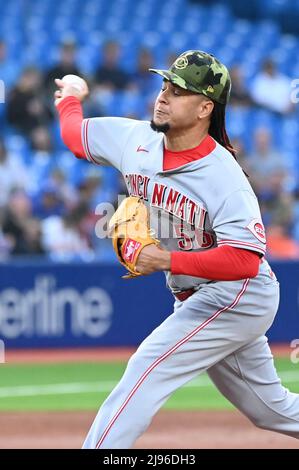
(223, 156)
(143, 133)
(118, 124)
(227, 173)
(114, 120)
(225, 162)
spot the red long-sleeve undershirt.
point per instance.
(71, 117)
(224, 263)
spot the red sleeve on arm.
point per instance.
(224, 263)
(71, 118)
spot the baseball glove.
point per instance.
(130, 233)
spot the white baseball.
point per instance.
(75, 81)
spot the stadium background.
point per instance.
(60, 285)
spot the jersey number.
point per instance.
(198, 238)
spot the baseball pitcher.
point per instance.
(192, 214)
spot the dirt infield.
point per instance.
(23, 356)
(169, 430)
(36, 356)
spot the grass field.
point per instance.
(84, 386)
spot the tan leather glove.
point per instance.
(130, 233)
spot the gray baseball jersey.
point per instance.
(198, 206)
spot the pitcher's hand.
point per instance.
(68, 89)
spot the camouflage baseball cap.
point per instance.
(201, 73)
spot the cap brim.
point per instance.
(171, 77)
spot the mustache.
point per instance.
(164, 128)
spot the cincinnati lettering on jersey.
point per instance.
(185, 219)
(177, 204)
(167, 199)
(137, 185)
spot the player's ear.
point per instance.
(205, 108)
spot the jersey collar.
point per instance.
(175, 160)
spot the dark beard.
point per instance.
(162, 128)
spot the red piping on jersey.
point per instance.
(165, 356)
(71, 118)
(224, 263)
(85, 142)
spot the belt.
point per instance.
(184, 294)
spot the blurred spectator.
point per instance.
(22, 230)
(62, 238)
(91, 191)
(269, 175)
(272, 90)
(26, 108)
(41, 141)
(239, 94)
(8, 70)
(242, 156)
(32, 235)
(97, 102)
(110, 75)
(278, 206)
(48, 202)
(5, 242)
(13, 174)
(67, 192)
(144, 80)
(109, 78)
(41, 158)
(279, 244)
(296, 213)
(265, 161)
(65, 66)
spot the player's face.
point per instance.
(176, 107)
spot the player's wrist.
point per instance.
(65, 101)
(165, 260)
